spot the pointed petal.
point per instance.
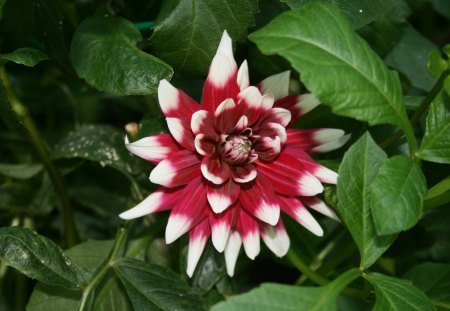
(244, 174)
(226, 47)
(322, 173)
(190, 210)
(320, 206)
(174, 102)
(298, 105)
(215, 170)
(225, 116)
(220, 197)
(221, 228)
(276, 238)
(332, 145)
(202, 122)
(154, 148)
(267, 148)
(181, 131)
(204, 145)
(277, 85)
(249, 229)
(241, 125)
(177, 169)
(258, 198)
(312, 139)
(278, 115)
(232, 251)
(289, 177)
(250, 103)
(160, 200)
(267, 102)
(295, 209)
(272, 130)
(198, 237)
(243, 79)
(220, 83)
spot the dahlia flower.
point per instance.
(230, 165)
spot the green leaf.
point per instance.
(356, 175)
(358, 12)
(52, 298)
(20, 171)
(100, 143)
(270, 297)
(37, 257)
(397, 294)
(410, 57)
(436, 64)
(152, 287)
(192, 47)
(7, 113)
(104, 53)
(335, 64)
(397, 195)
(433, 279)
(435, 145)
(24, 56)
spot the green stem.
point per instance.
(305, 269)
(38, 143)
(442, 304)
(438, 189)
(116, 251)
(437, 201)
(426, 102)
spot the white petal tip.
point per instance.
(176, 227)
(310, 185)
(269, 214)
(307, 102)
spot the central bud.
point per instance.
(237, 149)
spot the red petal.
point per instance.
(181, 131)
(215, 170)
(249, 229)
(307, 140)
(174, 102)
(154, 148)
(221, 228)
(225, 116)
(177, 169)
(244, 174)
(220, 197)
(268, 148)
(295, 209)
(204, 144)
(276, 238)
(198, 237)
(258, 198)
(250, 103)
(190, 210)
(278, 115)
(202, 122)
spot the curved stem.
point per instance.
(38, 143)
(438, 189)
(426, 102)
(305, 269)
(437, 201)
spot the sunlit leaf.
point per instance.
(24, 56)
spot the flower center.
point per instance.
(237, 149)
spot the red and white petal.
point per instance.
(154, 148)
(160, 200)
(267, 148)
(190, 210)
(243, 79)
(272, 130)
(232, 251)
(332, 145)
(241, 125)
(204, 144)
(250, 103)
(278, 115)
(276, 238)
(198, 237)
(174, 102)
(215, 170)
(323, 173)
(244, 174)
(220, 197)
(267, 102)
(277, 85)
(177, 169)
(295, 209)
(202, 122)
(221, 228)
(225, 116)
(220, 83)
(320, 206)
(306, 103)
(249, 229)
(259, 200)
(298, 105)
(181, 131)
(288, 176)
(226, 48)
(312, 138)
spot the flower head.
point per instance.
(230, 165)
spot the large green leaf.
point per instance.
(335, 64)
(397, 195)
(152, 287)
(104, 53)
(356, 175)
(38, 258)
(99, 143)
(188, 31)
(358, 12)
(270, 297)
(24, 56)
(397, 295)
(20, 171)
(433, 279)
(410, 57)
(435, 146)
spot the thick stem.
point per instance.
(305, 269)
(420, 111)
(38, 144)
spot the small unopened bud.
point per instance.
(132, 130)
